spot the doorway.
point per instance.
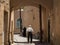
(48, 30)
(44, 25)
(5, 27)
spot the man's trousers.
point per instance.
(30, 37)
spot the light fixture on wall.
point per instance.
(22, 9)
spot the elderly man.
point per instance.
(29, 32)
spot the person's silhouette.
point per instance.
(24, 32)
(29, 31)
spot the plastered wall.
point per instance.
(56, 23)
(1, 23)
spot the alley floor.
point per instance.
(19, 40)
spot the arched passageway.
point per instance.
(36, 16)
(32, 14)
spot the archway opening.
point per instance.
(31, 15)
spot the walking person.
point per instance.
(29, 32)
(24, 32)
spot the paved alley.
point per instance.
(19, 40)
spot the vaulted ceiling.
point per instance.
(18, 3)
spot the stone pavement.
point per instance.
(23, 44)
(18, 38)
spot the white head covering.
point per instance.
(29, 29)
(29, 25)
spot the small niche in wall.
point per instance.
(33, 17)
